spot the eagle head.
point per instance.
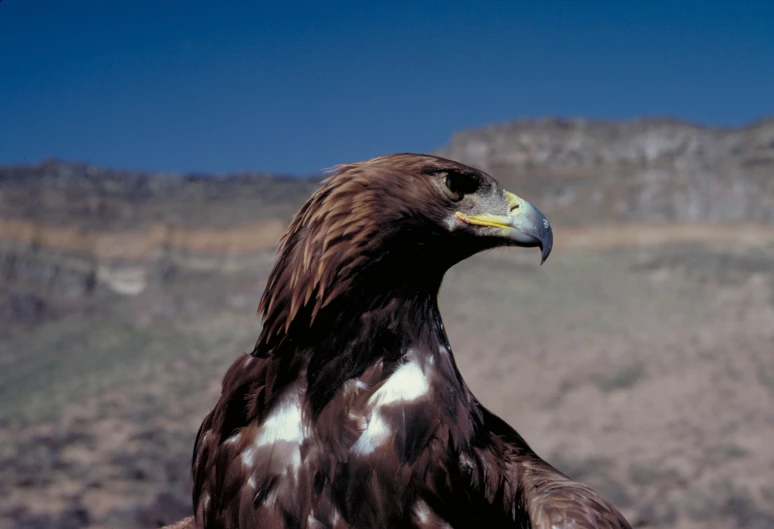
(396, 222)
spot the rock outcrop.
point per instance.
(642, 170)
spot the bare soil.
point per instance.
(646, 371)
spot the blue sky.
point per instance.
(295, 87)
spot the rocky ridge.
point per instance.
(641, 170)
(70, 231)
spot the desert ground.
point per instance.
(639, 358)
(642, 366)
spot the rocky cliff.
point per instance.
(72, 232)
(643, 170)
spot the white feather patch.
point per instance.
(375, 434)
(407, 384)
(422, 512)
(425, 516)
(284, 424)
(233, 439)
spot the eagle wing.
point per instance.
(560, 503)
(551, 500)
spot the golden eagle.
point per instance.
(350, 411)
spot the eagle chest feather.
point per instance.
(350, 411)
(385, 434)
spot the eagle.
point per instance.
(350, 411)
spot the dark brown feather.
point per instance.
(350, 410)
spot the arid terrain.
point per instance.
(639, 358)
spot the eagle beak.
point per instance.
(524, 224)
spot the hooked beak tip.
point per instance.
(535, 225)
(544, 253)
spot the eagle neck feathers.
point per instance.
(350, 410)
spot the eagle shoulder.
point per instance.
(548, 498)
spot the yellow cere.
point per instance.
(515, 204)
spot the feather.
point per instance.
(350, 411)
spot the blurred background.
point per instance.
(151, 154)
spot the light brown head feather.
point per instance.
(339, 230)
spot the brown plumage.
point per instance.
(350, 411)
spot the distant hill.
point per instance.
(70, 231)
(63, 193)
(642, 170)
(72, 234)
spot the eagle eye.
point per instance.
(460, 184)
